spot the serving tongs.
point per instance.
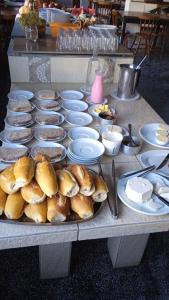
(140, 172)
(113, 202)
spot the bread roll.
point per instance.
(84, 179)
(14, 206)
(58, 207)
(32, 193)
(36, 212)
(67, 183)
(46, 178)
(101, 189)
(82, 205)
(7, 181)
(3, 197)
(24, 171)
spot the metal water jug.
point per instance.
(128, 81)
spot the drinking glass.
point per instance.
(31, 33)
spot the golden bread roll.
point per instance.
(32, 193)
(67, 183)
(3, 197)
(84, 179)
(24, 171)
(14, 206)
(8, 181)
(101, 189)
(82, 205)
(46, 178)
(58, 208)
(36, 212)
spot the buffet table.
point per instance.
(127, 235)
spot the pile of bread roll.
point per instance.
(47, 193)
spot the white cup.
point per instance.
(112, 142)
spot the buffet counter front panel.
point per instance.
(42, 62)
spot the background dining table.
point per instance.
(134, 16)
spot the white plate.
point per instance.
(11, 105)
(49, 114)
(86, 149)
(88, 100)
(4, 166)
(106, 27)
(18, 114)
(49, 145)
(104, 128)
(71, 95)
(83, 132)
(147, 132)
(143, 208)
(93, 162)
(79, 118)
(155, 157)
(94, 113)
(11, 147)
(20, 95)
(74, 105)
(43, 99)
(3, 137)
(41, 105)
(39, 129)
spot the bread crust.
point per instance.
(82, 205)
(3, 197)
(24, 171)
(8, 181)
(46, 178)
(101, 189)
(37, 212)
(58, 208)
(67, 183)
(84, 179)
(32, 193)
(14, 206)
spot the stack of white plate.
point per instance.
(85, 151)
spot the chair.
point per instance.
(104, 11)
(147, 35)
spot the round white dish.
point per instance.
(48, 145)
(74, 105)
(83, 132)
(86, 149)
(44, 99)
(3, 134)
(78, 118)
(155, 157)
(11, 147)
(111, 28)
(20, 95)
(39, 129)
(15, 114)
(143, 208)
(147, 133)
(48, 105)
(78, 161)
(96, 114)
(50, 114)
(105, 128)
(70, 95)
(11, 107)
(88, 100)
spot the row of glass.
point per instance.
(87, 40)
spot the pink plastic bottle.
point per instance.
(97, 91)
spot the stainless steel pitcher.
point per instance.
(128, 81)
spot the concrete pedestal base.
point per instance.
(127, 251)
(54, 260)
